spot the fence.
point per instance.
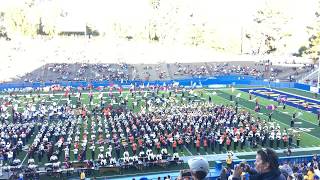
(191, 82)
(216, 170)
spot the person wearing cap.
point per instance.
(199, 168)
(316, 170)
(266, 165)
(287, 171)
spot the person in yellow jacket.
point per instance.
(82, 175)
(229, 159)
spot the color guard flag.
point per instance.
(99, 88)
(271, 107)
(299, 114)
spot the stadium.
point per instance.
(159, 89)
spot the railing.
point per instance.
(302, 80)
(204, 81)
(215, 171)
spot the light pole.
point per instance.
(318, 76)
(241, 43)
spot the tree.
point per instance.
(313, 48)
(268, 35)
(3, 31)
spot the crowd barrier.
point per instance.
(200, 81)
(306, 87)
(289, 159)
(216, 170)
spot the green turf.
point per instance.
(308, 120)
(308, 139)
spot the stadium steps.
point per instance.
(209, 67)
(310, 76)
(130, 71)
(139, 72)
(174, 69)
(170, 73)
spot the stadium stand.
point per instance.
(150, 72)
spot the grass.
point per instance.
(300, 92)
(309, 120)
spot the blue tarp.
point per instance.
(302, 86)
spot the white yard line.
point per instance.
(60, 98)
(287, 113)
(284, 92)
(24, 159)
(284, 124)
(278, 121)
(187, 150)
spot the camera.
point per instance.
(242, 165)
(185, 173)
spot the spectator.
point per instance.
(266, 165)
(223, 174)
(199, 168)
(82, 175)
(316, 170)
(287, 171)
(310, 173)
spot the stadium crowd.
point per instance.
(78, 72)
(56, 72)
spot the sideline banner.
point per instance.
(217, 86)
(314, 89)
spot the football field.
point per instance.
(306, 121)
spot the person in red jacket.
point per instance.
(158, 146)
(134, 148)
(198, 145)
(228, 143)
(174, 146)
(140, 142)
(205, 144)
